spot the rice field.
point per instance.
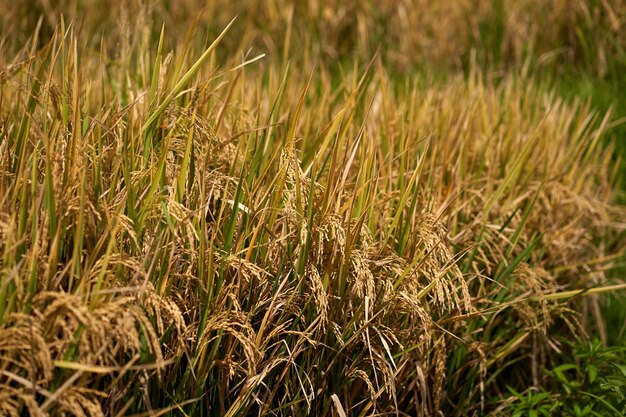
(286, 208)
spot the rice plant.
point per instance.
(213, 216)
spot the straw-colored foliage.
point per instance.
(183, 232)
(407, 32)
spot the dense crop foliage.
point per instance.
(282, 218)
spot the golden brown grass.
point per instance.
(591, 33)
(186, 231)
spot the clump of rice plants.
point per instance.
(191, 228)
